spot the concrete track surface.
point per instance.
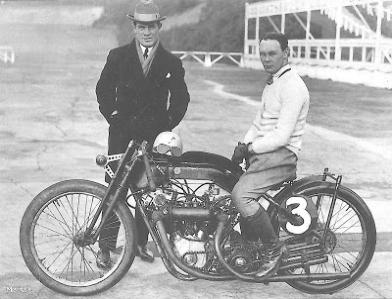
(51, 130)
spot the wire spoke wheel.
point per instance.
(54, 245)
(349, 240)
(58, 237)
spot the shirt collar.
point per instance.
(281, 71)
(143, 48)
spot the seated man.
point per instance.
(271, 145)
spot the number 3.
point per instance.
(300, 211)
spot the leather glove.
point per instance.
(240, 153)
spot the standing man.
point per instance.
(271, 145)
(141, 93)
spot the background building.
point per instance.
(342, 40)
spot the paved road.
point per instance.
(50, 130)
(146, 281)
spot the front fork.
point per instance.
(117, 190)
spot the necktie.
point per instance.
(145, 54)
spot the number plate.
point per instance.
(303, 207)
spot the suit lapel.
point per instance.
(134, 65)
(158, 66)
(134, 68)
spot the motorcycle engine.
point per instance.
(191, 250)
(243, 256)
(193, 241)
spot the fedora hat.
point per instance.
(146, 12)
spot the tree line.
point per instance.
(221, 25)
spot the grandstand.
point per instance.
(342, 40)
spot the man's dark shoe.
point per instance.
(103, 259)
(145, 254)
(272, 259)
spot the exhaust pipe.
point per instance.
(277, 278)
(205, 214)
(179, 214)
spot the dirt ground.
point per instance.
(51, 130)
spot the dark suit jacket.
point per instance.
(146, 105)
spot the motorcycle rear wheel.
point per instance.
(51, 235)
(352, 237)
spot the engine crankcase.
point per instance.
(190, 250)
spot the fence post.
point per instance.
(12, 57)
(207, 60)
(242, 63)
(380, 12)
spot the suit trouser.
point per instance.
(109, 232)
(117, 144)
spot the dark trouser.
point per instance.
(109, 232)
(118, 142)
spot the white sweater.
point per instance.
(280, 120)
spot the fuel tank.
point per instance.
(194, 165)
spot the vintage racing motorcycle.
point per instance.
(185, 201)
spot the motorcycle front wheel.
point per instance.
(350, 241)
(51, 239)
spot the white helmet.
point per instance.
(168, 143)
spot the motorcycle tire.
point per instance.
(54, 218)
(348, 201)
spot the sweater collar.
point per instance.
(281, 71)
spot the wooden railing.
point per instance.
(208, 59)
(346, 53)
(278, 7)
(7, 54)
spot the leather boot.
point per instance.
(145, 254)
(103, 259)
(260, 226)
(247, 231)
(272, 258)
(273, 249)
